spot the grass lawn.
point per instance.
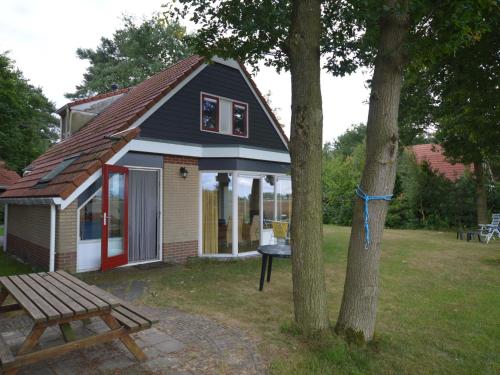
(10, 266)
(439, 306)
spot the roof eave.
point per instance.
(38, 201)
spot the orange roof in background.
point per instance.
(433, 154)
(7, 176)
(93, 142)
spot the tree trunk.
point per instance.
(309, 290)
(359, 303)
(481, 195)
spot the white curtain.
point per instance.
(143, 215)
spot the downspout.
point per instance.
(5, 231)
(52, 250)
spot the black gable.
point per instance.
(179, 118)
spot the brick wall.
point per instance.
(180, 209)
(178, 252)
(66, 261)
(29, 252)
(175, 159)
(66, 236)
(28, 234)
(31, 223)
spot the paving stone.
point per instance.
(180, 343)
(169, 346)
(116, 363)
(152, 336)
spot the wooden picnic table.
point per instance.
(58, 298)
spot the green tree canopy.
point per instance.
(345, 143)
(456, 97)
(27, 126)
(134, 53)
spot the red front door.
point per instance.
(114, 239)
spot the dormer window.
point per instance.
(224, 116)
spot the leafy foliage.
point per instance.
(429, 199)
(345, 144)
(27, 126)
(134, 53)
(422, 197)
(343, 162)
(457, 95)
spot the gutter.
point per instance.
(43, 201)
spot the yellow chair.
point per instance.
(280, 230)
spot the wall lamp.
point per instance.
(183, 172)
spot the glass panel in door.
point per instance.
(115, 217)
(248, 213)
(217, 204)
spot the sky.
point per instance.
(42, 37)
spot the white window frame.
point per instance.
(235, 174)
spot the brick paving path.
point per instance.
(180, 343)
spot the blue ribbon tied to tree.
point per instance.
(366, 199)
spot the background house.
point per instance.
(434, 156)
(8, 177)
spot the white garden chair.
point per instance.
(489, 231)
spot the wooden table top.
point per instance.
(55, 295)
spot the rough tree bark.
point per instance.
(359, 303)
(481, 195)
(309, 290)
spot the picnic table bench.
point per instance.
(58, 298)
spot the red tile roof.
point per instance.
(433, 154)
(92, 141)
(7, 177)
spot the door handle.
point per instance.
(104, 219)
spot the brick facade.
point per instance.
(66, 236)
(180, 209)
(178, 252)
(175, 159)
(66, 261)
(28, 252)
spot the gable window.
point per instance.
(210, 113)
(240, 125)
(224, 116)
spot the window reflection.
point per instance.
(240, 119)
(284, 195)
(90, 218)
(248, 213)
(268, 184)
(210, 113)
(217, 197)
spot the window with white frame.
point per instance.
(224, 116)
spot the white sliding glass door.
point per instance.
(238, 208)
